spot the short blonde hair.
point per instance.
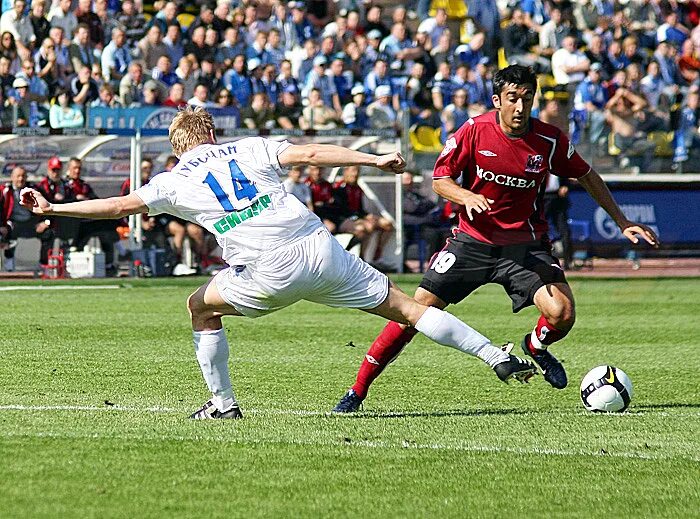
(191, 127)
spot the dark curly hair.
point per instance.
(514, 74)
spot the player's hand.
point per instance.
(393, 162)
(476, 203)
(631, 230)
(34, 201)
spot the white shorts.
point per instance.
(315, 268)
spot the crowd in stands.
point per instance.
(613, 73)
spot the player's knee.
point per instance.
(562, 315)
(195, 304)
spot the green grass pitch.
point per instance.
(96, 386)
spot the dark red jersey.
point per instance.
(321, 191)
(511, 172)
(348, 198)
(50, 189)
(80, 187)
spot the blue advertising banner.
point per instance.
(674, 214)
(153, 118)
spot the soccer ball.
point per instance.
(606, 389)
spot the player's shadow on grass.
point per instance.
(675, 405)
(436, 414)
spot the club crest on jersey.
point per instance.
(450, 145)
(534, 164)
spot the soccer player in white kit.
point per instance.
(277, 250)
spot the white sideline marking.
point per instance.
(355, 443)
(60, 287)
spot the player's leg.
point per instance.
(531, 275)
(206, 307)
(385, 229)
(177, 231)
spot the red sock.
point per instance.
(543, 335)
(384, 349)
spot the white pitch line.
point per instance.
(366, 444)
(59, 287)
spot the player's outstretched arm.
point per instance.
(599, 191)
(103, 208)
(329, 155)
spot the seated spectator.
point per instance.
(672, 31)
(455, 114)
(201, 97)
(40, 24)
(26, 109)
(18, 222)
(317, 115)
(421, 219)
(197, 48)
(103, 230)
(84, 88)
(289, 110)
(381, 113)
(318, 80)
(259, 114)
(353, 218)
(435, 26)
(270, 85)
(46, 67)
(322, 197)
(688, 63)
(173, 41)
(187, 75)
(224, 99)
(553, 32)
(470, 54)
(443, 86)
(653, 86)
(131, 85)
(151, 93)
(294, 185)
(6, 77)
(64, 113)
(38, 89)
(107, 98)
(176, 96)
(379, 76)
(163, 72)
(687, 135)
(589, 108)
(133, 21)
(8, 48)
(355, 113)
(569, 65)
(236, 81)
(443, 51)
(596, 54)
(87, 17)
(116, 56)
(518, 40)
(151, 47)
(342, 79)
(622, 112)
(17, 22)
(229, 48)
(81, 50)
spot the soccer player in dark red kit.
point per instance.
(504, 158)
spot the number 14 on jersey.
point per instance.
(242, 187)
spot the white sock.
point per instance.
(535, 341)
(211, 348)
(446, 329)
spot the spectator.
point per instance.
(103, 230)
(230, 47)
(373, 22)
(52, 186)
(257, 50)
(133, 22)
(38, 89)
(687, 135)
(485, 15)
(107, 98)
(116, 57)
(397, 46)
(65, 67)
(286, 78)
(200, 97)
(259, 114)
(237, 81)
(631, 53)
(21, 102)
(6, 78)
(318, 80)
(354, 113)
(8, 48)
(471, 54)
(589, 104)
(151, 93)
(221, 21)
(131, 85)
(665, 55)
(289, 110)
(421, 219)
(688, 63)
(186, 75)
(322, 197)
(224, 99)
(86, 17)
(46, 67)
(556, 210)
(176, 96)
(163, 72)
(672, 31)
(40, 24)
(317, 115)
(378, 77)
(84, 88)
(652, 85)
(353, 218)
(518, 39)
(81, 50)
(107, 22)
(569, 66)
(164, 17)
(270, 85)
(294, 185)
(596, 54)
(380, 112)
(303, 30)
(442, 50)
(455, 114)
(622, 112)
(553, 32)
(205, 19)
(64, 113)
(173, 41)
(443, 86)
(18, 222)
(16, 22)
(151, 47)
(197, 48)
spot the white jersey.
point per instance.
(233, 190)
